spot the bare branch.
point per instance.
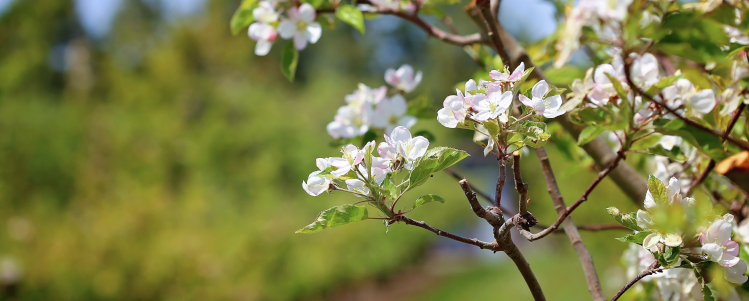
(490, 214)
(471, 241)
(594, 284)
(569, 210)
(521, 187)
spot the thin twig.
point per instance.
(471, 241)
(521, 187)
(482, 194)
(711, 165)
(569, 210)
(647, 272)
(490, 214)
(594, 284)
(492, 24)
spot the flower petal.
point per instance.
(314, 31)
(540, 89)
(286, 29)
(307, 12)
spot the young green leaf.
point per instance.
(589, 133)
(336, 216)
(242, 17)
(289, 60)
(351, 15)
(635, 238)
(628, 220)
(657, 190)
(427, 199)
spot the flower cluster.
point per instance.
(298, 24)
(680, 235)
(360, 169)
(369, 108)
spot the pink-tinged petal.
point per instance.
(518, 73)
(540, 89)
(601, 72)
(314, 31)
(307, 12)
(728, 260)
(300, 40)
(735, 274)
(391, 78)
(449, 100)
(505, 101)
(732, 248)
(525, 101)
(476, 99)
(386, 151)
(293, 13)
(400, 134)
(287, 29)
(496, 75)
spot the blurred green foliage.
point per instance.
(165, 163)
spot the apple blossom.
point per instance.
(645, 71)
(357, 186)
(352, 156)
(264, 34)
(717, 244)
(300, 26)
(404, 78)
(549, 107)
(684, 93)
(454, 110)
(350, 122)
(316, 185)
(391, 112)
(400, 144)
(494, 106)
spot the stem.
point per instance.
(647, 272)
(521, 187)
(500, 181)
(594, 284)
(471, 241)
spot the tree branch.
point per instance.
(594, 284)
(647, 272)
(601, 175)
(521, 187)
(494, 246)
(711, 165)
(525, 269)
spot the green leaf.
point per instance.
(391, 190)
(658, 190)
(675, 153)
(635, 238)
(427, 199)
(351, 15)
(589, 133)
(670, 257)
(336, 216)
(492, 127)
(289, 60)
(242, 17)
(534, 134)
(706, 143)
(434, 160)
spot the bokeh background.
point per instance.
(148, 154)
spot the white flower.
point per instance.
(549, 107)
(401, 144)
(645, 71)
(483, 134)
(644, 220)
(350, 121)
(390, 113)
(357, 186)
(264, 34)
(403, 79)
(352, 156)
(315, 184)
(494, 106)
(454, 110)
(300, 26)
(683, 92)
(513, 77)
(735, 274)
(265, 13)
(717, 244)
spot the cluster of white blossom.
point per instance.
(298, 24)
(368, 108)
(489, 101)
(359, 169)
(714, 237)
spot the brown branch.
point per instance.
(711, 165)
(594, 284)
(491, 214)
(564, 214)
(521, 187)
(482, 194)
(494, 246)
(647, 272)
(491, 23)
(500, 181)
(602, 227)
